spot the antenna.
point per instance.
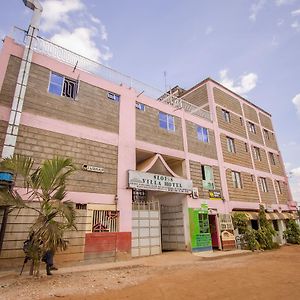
(75, 66)
(165, 77)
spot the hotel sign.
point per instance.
(156, 182)
(92, 169)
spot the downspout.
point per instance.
(19, 95)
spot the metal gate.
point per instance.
(172, 228)
(146, 239)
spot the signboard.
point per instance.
(156, 182)
(195, 193)
(92, 169)
(215, 195)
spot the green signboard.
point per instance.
(199, 229)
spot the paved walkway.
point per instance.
(169, 259)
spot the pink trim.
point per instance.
(185, 146)
(141, 145)
(62, 127)
(203, 160)
(126, 156)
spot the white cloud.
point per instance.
(81, 41)
(296, 101)
(70, 24)
(56, 12)
(280, 22)
(209, 30)
(242, 85)
(274, 41)
(295, 172)
(284, 2)
(295, 12)
(255, 8)
(296, 25)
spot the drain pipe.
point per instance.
(18, 100)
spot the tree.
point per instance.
(292, 232)
(45, 187)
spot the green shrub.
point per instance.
(292, 232)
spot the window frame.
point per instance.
(140, 106)
(230, 144)
(272, 158)
(226, 115)
(205, 180)
(113, 96)
(278, 187)
(64, 80)
(263, 184)
(168, 118)
(236, 179)
(266, 134)
(252, 127)
(256, 153)
(201, 136)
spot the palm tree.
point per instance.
(45, 187)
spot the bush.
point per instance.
(292, 232)
(250, 238)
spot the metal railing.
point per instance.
(64, 55)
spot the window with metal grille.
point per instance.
(278, 187)
(139, 195)
(266, 133)
(81, 206)
(105, 221)
(61, 86)
(202, 134)
(225, 222)
(207, 177)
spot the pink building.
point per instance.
(156, 171)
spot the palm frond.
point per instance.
(66, 211)
(12, 199)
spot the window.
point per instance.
(236, 179)
(254, 224)
(252, 178)
(252, 127)
(207, 178)
(226, 115)
(256, 153)
(62, 86)
(272, 158)
(246, 147)
(105, 221)
(113, 96)
(266, 133)
(140, 106)
(263, 184)
(278, 187)
(230, 145)
(202, 134)
(241, 121)
(166, 121)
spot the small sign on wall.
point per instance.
(195, 193)
(92, 169)
(215, 195)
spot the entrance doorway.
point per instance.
(213, 231)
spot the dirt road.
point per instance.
(268, 275)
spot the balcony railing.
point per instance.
(64, 55)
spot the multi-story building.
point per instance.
(156, 171)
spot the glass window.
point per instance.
(278, 187)
(266, 133)
(226, 115)
(263, 184)
(256, 153)
(252, 127)
(272, 158)
(166, 121)
(113, 96)
(236, 179)
(140, 106)
(202, 134)
(207, 177)
(56, 84)
(230, 145)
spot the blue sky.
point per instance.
(251, 47)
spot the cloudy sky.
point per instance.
(250, 46)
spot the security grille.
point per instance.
(225, 222)
(105, 221)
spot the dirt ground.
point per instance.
(177, 275)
